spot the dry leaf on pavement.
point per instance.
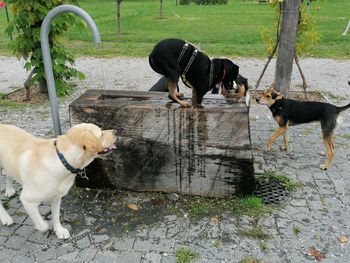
(318, 255)
(215, 220)
(133, 206)
(343, 239)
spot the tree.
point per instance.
(286, 47)
(118, 15)
(25, 30)
(161, 9)
(307, 36)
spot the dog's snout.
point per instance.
(118, 130)
(257, 99)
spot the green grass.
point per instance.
(346, 136)
(284, 180)
(249, 259)
(184, 255)
(222, 30)
(256, 233)
(6, 104)
(199, 207)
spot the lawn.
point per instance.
(222, 30)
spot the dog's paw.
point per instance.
(185, 104)
(180, 95)
(62, 233)
(283, 147)
(42, 227)
(10, 192)
(6, 219)
(323, 167)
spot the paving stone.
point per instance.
(2, 239)
(142, 232)
(45, 255)
(83, 243)
(168, 259)
(7, 230)
(70, 256)
(24, 230)
(22, 258)
(298, 203)
(6, 254)
(38, 237)
(14, 242)
(159, 232)
(100, 238)
(142, 245)
(87, 254)
(151, 257)
(124, 244)
(130, 256)
(65, 249)
(108, 257)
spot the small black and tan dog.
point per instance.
(288, 112)
(175, 58)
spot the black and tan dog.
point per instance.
(175, 58)
(288, 112)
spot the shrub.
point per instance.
(25, 30)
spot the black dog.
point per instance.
(288, 112)
(174, 58)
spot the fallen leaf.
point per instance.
(215, 220)
(343, 239)
(318, 255)
(133, 207)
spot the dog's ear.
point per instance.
(231, 69)
(276, 95)
(90, 143)
(273, 86)
(244, 81)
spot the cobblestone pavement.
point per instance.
(104, 230)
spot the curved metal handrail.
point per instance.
(45, 49)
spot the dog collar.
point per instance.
(66, 164)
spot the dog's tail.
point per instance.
(343, 108)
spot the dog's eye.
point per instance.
(84, 147)
(268, 96)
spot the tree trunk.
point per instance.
(118, 16)
(43, 87)
(286, 49)
(161, 9)
(27, 84)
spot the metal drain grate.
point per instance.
(271, 192)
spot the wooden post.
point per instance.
(286, 48)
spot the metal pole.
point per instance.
(45, 49)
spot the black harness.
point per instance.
(189, 63)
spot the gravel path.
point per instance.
(125, 73)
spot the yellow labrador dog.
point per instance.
(46, 168)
